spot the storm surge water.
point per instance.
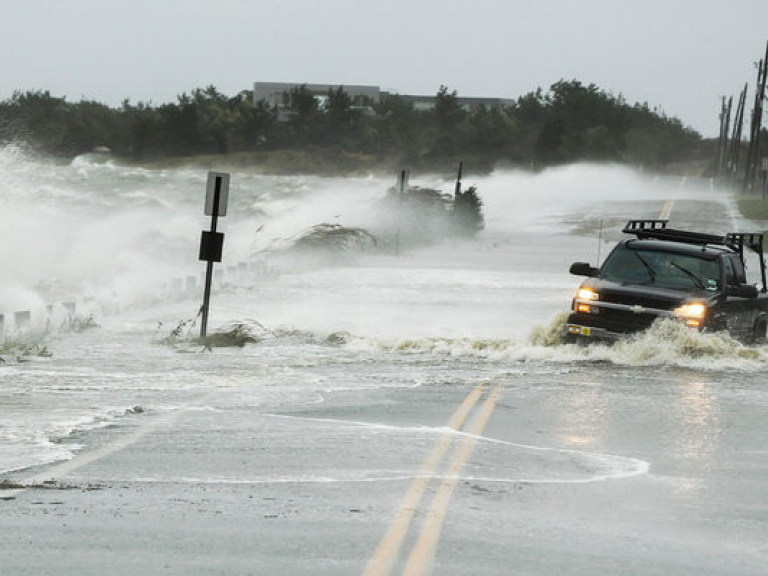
(121, 243)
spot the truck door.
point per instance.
(741, 313)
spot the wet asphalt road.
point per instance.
(536, 463)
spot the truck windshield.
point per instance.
(663, 269)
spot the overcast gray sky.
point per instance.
(678, 55)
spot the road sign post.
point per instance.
(403, 185)
(212, 242)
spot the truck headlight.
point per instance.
(692, 313)
(584, 307)
(587, 294)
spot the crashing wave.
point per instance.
(666, 343)
(336, 238)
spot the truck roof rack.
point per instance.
(736, 241)
(645, 225)
(657, 230)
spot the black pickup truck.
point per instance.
(661, 272)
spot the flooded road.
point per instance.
(407, 413)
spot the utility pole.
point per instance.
(756, 124)
(722, 136)
(721, 152)
(724, 153)
(738, 123)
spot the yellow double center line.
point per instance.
(421, 558)
(666, 210)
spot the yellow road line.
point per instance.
(386, 553)
(666, 210)
(422, 558)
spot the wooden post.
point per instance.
(458, 181)
(400, 197)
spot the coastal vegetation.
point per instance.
(570, 121)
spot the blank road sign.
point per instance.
(223, 192)
(211, 244)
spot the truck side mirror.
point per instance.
(742, 291)
(583, 269)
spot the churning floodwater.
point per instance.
(120, 245)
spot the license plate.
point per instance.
(585, 331)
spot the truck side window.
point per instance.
(738, 269)
(734, 272)
(730, 276)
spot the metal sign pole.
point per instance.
(211, 243)
(209, 267)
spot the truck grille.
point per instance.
(645, 302)
(625, 321)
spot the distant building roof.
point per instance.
(278, 94)
(469, 104)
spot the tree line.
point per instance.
(569, 122)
